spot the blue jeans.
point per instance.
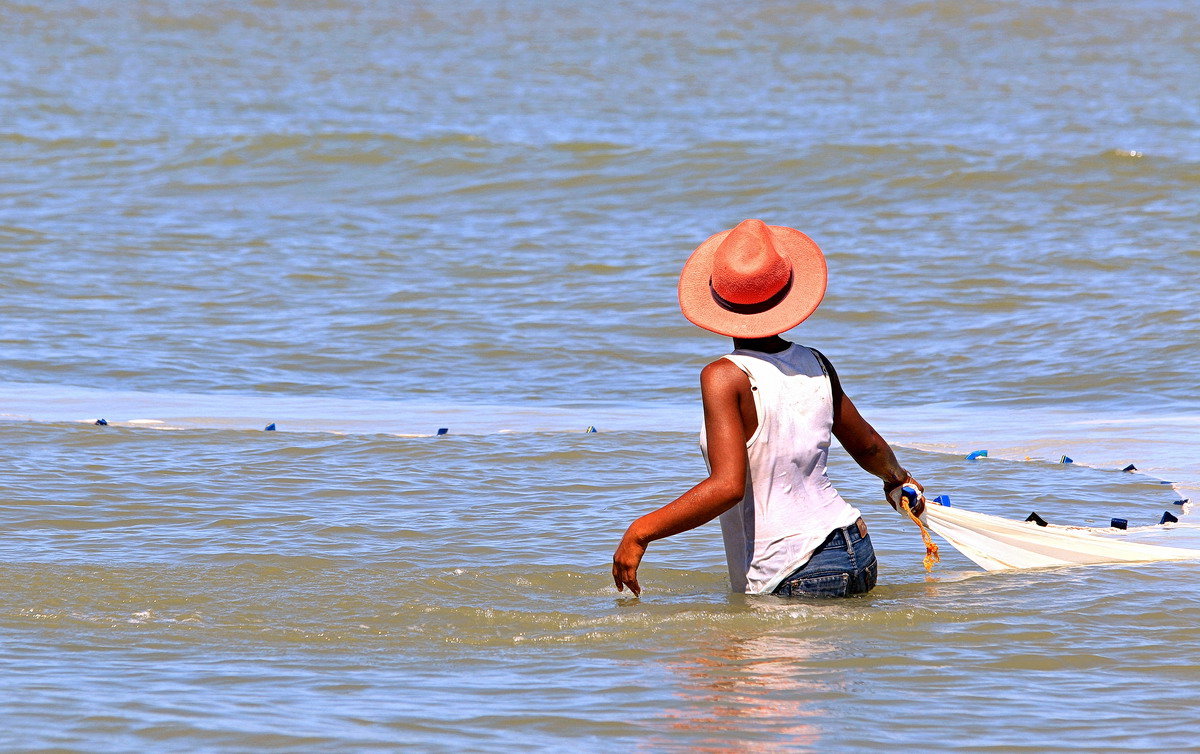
(842, 566)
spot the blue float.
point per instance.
(1035, 518)
(1066, 459)
(101, 423)
(1130, 468)
(442, 430)
(590, 430)
(976, 454)
(943, 500)
(1119, 523)
(269, 428)
(1167, 518)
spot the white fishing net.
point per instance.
(1001, 544)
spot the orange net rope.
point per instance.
(931, 548)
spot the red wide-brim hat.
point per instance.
(753, 280)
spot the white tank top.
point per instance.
(790, 505)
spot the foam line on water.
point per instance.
(1161, 446)
(414, 418)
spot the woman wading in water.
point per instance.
(769, 410)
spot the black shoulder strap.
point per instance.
(826, 367)
(834, 383)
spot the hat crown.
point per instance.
(747, 267)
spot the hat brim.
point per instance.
(809, 277)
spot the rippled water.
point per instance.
(364, 222)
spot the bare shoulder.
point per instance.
(723, 376)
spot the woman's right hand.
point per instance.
(626, 560)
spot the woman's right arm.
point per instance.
(723, 386)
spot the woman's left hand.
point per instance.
(625, 563)
(893, 495)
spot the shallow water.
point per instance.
(364, 223)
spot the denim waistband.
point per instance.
(846, 534)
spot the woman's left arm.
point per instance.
(865, 445)
(723, 387)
